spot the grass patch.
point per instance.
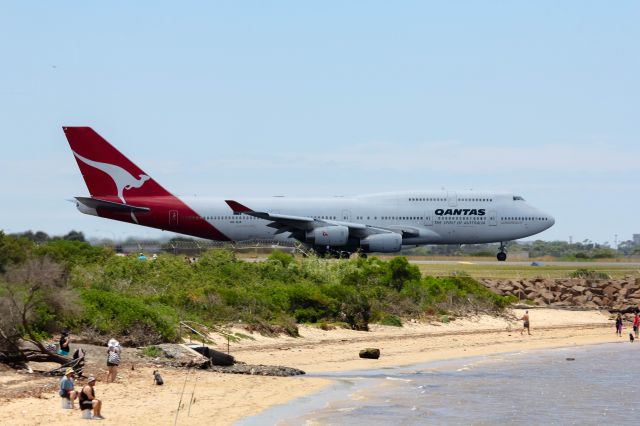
(152, 351)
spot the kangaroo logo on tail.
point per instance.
(122, 178)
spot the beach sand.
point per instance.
(216, 398)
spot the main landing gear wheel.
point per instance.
(502, 254)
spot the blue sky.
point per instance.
(327, 98)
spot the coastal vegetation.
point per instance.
(96, 292)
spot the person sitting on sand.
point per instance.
(67, 386)
(88, 400)
(525, 324)
(64, 344)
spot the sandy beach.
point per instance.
(215, 398)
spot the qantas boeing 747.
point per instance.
(383, 223)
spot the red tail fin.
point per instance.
(113, 178)
(107, 173)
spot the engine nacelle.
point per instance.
(329, 236)
(382, 243)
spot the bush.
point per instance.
(131, 318)
(391, 320)
(151, 351)
(71, 253)
(142, 301)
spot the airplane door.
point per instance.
(346, 215)
(173, 217)
(428, 218)
(491, 214)
(452, 198)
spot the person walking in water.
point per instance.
(525, 323)
(619, 325)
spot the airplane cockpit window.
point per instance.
(517, 198)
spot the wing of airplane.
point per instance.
(291, 223)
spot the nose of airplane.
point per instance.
(550, 221)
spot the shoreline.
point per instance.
(228, 398)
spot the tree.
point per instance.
(400, 271)
(13, 250)
(74, 236)
(34, 299)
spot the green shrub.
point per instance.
(71, 253)
(114, 314)
(151, 351)
(391, 320)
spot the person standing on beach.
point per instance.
(113, 360)
(636, 323)
(619, 325)
(525, 324)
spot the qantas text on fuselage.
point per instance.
(120, 190)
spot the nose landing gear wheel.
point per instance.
(502, 253)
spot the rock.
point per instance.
(547, 296)
(370, 353)
(182, 356)
(578, 289)
(580, 300)
(597, 290)
(258, 370)
(610, 292)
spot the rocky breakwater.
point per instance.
(619, 295)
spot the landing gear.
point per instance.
(329, 253)
(502, 254)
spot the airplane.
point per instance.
(332, 226)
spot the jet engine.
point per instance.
(382, 243)
(329, 236)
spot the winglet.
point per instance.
(237, 207)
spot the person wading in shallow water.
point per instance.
(525, 324)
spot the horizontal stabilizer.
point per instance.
(95, 203)
(237, 207)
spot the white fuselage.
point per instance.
(432, 217)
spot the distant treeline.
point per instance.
(192, 246)
(89, 289)
(538, 248)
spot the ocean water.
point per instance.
(600, 386)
